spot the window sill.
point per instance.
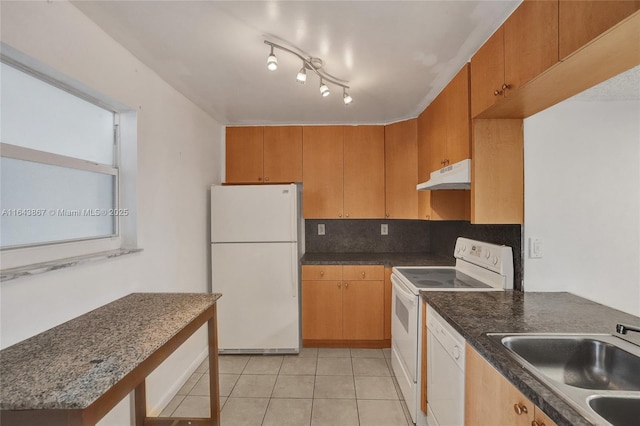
(54, 265)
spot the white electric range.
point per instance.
(479, 266)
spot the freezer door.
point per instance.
(259, 308)
(254, 213)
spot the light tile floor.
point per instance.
(318, 387)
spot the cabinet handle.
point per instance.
(497, 92)
(387, 215)
(338, 284)
(339, 214)
(363, 274)
(266, 179)
(535, 423)
(446, 162)
(259, 178)
(346, 215)
(322, 273)
(506, 86)
(346, 285)
(520, 408)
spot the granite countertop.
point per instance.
(386, 259)
(473, 314)
(70, 366)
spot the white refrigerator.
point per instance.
(256, 246)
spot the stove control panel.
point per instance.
(494, 257)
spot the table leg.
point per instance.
(140, 403)
(214, 377)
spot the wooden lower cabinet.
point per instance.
(491, 400)
(347, 312)
(387, 305)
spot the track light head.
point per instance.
(302, 74)
(324, 89)
(346, 97)
(272, 61)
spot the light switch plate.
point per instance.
(384, 229)
(535, 248)
(321, 229)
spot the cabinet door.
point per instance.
(244, 154)
(321, 310)
(322, 172)
(451, 205)
(387, 303)
(487, 73)
(401, 169)
(530, 41)
(283, 154)
(496, 407)
(425, 123)
(457, 118)
(364, 172)
(582, 21)
(437, 133)
(363, 310)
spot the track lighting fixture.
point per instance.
(272, 61)
(324, 89)
(302, 74)
(346, 97)
(312, 64)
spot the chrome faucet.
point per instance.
(623, 328)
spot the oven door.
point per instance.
(404, 326)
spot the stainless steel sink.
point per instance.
(619, 411)
(597, 374)
(583, 362)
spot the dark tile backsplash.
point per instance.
(363, 236)
(408, 236)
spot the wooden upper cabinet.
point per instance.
(582, 21)
(364, 172)
(437, 133)
(524, 47)
(530, 42)
(401, 169)
(244, 154)
(282, 154)
(458, 118)
(487, 73)
(425, 125)
(322, 174)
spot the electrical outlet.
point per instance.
(321, 229)
(384, 229)
(535, 248)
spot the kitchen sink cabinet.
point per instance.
(343, 175)
(580, 21)
(503, 405)
(264, 154)
(345, 312)
(521, 49)
(401, 169)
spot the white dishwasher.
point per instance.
(445, 372)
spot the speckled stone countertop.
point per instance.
(473, 314)
(386, 259)
(71, 365)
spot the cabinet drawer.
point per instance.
(321, 272)
(362, 272)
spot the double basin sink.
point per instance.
(599, 375)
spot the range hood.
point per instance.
(455, 176)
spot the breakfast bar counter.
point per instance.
(75, 373)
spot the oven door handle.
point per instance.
(402, 292)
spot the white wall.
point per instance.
(582, 197)
(179, 157)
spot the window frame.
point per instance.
(125, 121)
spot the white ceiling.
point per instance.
(396, 55)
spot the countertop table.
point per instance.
(474, 314)
(386, 259)
(75, 373)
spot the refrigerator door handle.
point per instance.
(294, 271)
